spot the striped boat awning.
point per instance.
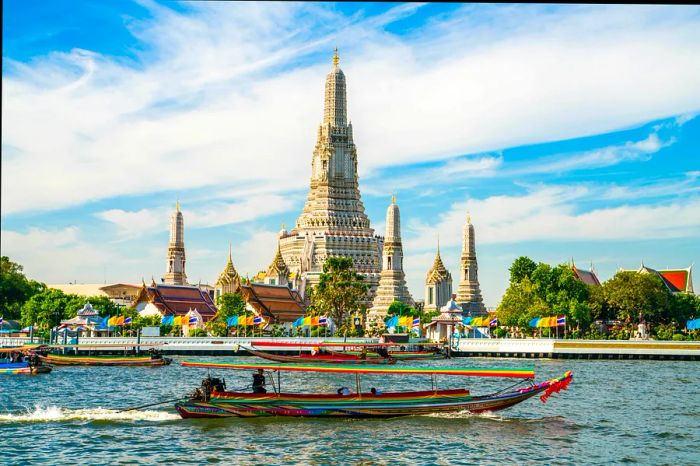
(520, 373)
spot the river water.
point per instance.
(645, 412)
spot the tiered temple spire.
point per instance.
(438, 284)
(277, 272)
(469, 292)
(333, 222)
(392, 283)
(175, 267)
(229, 281)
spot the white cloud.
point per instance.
(217, 104)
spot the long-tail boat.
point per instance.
(322, 357)
(400, 355)
(28, 363)
(370, 351)
(213, 401)
(72, 360)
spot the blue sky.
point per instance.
(567, 131)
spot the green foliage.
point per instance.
(340, 291)
(229, 304)
(522, 267)
(47, 308)
(633, 295)
(197, 332)
(684, 306)
(664, 331)
(499, 332)
(15, 289)
(397, 308)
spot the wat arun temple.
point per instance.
(333, 223)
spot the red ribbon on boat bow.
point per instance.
(556, 386)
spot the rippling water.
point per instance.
(645, 412)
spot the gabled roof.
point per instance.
(278, 302)
(278, 266)
(178, 300)
(586, 276)
(229, 276)
(676, 280)
(438, 272)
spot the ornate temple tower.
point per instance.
(392, 281)
(438, 285)
(277, 272)
(229, 281)
(333, 222)
(469, 293)
(175, 269)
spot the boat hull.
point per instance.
(232, 404)
(330, 358)
(59, 360)
(23, 368)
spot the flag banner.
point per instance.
(0, 320)
(307, 320)
(242, 320)
(127, 321)
(405, 321)
(467, 320)
(193, 320)
(322, 320)
(393, 322)
(120, 321)
(232, 321)
(493, 322)
(314, 320)
(561, 320)
(298, 323)
(177, 321)
(257, 320)
(416, 322)
(534, 322)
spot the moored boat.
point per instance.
(213, 401)
(322, 357)
(23, 368)
(71, 360)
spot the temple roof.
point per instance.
(438, 272)
(278, 266)
(278, 302)
(229, 276)
(88, 310)
(676, 280)
(178, 300)
(587, 277)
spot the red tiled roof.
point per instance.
(178, 300)
(589, 278)
(676, 280)
(278, 302)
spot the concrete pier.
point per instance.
(465, 347)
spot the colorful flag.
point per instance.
(112, 321)
(232, 321)
(416, 322)
(307, 320)
(0, 320)
(466, 320)
(119, 321)
(104, 322)
(314, 320)
(127, 321)
(322, 320)
(298, 323)
(534, 322)
(257, 320)
(561, 320)
(393, 322)
(193, 320)
(177, 321)
(493, 322)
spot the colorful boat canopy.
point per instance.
(519, 373)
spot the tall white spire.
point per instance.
(175, 267)
(469, 291)
(392, 282)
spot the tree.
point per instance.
(631, 295)
(47, 308)
(15, 288)
(522, 267)
(229, 304)
(684, 306)
(340, 291)
(520, 304)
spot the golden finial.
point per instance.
(284, 226)
(229, 251)
(469, 217)
(393, 198)
(336, 59)
(438, 251)
(177, 205)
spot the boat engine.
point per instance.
(209, 384)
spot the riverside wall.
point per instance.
(465, 347)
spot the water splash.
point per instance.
(467, 415)
(57, 414)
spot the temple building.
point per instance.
(278, 272)
(588, 277)
(438, 285)
(469, 292)
(178, 300)
(392, 281)
(279, 305)
(229, 281)
(175, 268)
(333, 222)
(676, 280)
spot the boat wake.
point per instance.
(58, 414)
(466, 415)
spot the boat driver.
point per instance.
(259, 382)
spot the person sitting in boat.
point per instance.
(382, 351)
(375, 392)
(259, 382)
(343, 391)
